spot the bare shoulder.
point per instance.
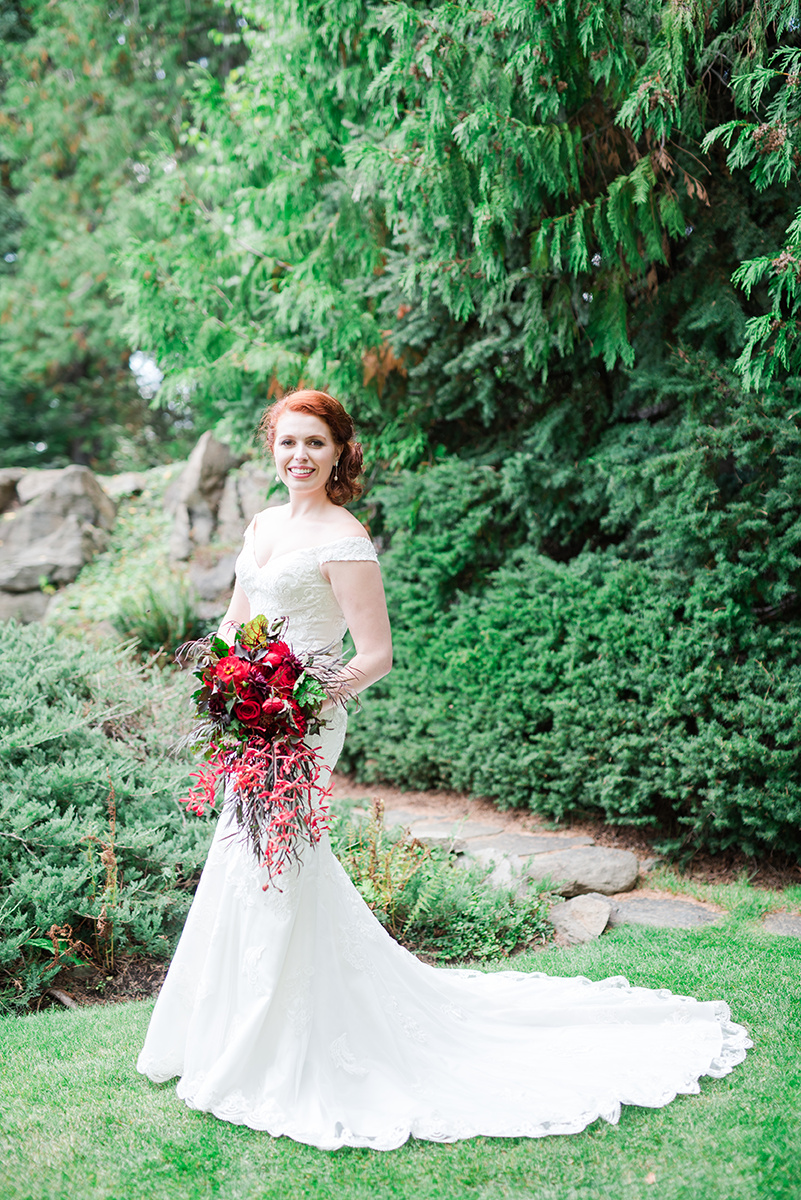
(347, 525)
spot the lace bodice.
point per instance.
(292, 585)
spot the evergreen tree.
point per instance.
(85, 91)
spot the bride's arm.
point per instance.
(238, 612)
(360, 594)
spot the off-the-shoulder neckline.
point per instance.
(348, 537)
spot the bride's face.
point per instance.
(304, 452)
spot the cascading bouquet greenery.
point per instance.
(256, 703)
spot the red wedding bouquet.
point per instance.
(256, 702)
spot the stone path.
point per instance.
(598, 882)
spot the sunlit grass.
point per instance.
(739, 898)
(79, 1123)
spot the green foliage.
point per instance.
(768, 145)
(159, 619)
(458, 212)
(94, 847)
(85, 91)
(431, 904)
(608, 623)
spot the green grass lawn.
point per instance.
(79, 1123)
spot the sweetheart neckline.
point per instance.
(298, 549)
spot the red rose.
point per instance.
(286, 675)
(270, 709)
(277, 652)
(248, 711)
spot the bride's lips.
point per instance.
(300, 472)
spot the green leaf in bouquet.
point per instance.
(254, 633)
(307, 690)
(219, 647)
(201, 697)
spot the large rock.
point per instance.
(60, 526)
(253, 482)
(35, 482)
(195, 499)
(54, 559)
(214, 583)
(244, 494)
(784, 923)
(127, 483)
(586, 869)
(661, 913)
(9, 478)
(24, 607)
(580, 920)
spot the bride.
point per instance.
(292, 1010)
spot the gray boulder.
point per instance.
(24, 607)
(9, 478)
(61, 524)
(128, 483)
(661, 913)
(56, 558)
(586, 869)
(212, 583)
(35, 482)
(783, 923)
(195, 499)
(580, 920)
(253, 482)
(244, 494)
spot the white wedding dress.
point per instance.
(294, 1012)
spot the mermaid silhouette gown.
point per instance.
(294, 1012)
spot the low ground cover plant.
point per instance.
(95, 855)
(436, 907)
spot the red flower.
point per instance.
(232, 669)
(244, 685)
(272, 708)
(248, 711)
(277, 652)
(203, 792)
(286, 675)
(281, 666)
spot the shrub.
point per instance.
(93, 845)
(616, 635)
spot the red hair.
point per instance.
(319, 404)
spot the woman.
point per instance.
(292, 1010)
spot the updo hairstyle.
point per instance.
(319, 404)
